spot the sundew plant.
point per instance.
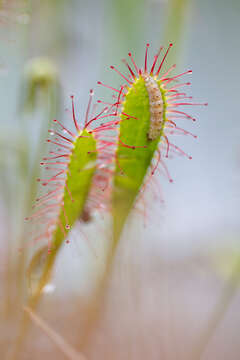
(90, 161)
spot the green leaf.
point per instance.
(81, 168)
(132, 164)
(80, 171)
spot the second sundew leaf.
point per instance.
(80, 171)
(81, 168)
(77, 165)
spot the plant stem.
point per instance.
(57, 339)
(177, 12)
(96, 302)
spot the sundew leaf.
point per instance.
(81, 167)
(80, 171)
(149, 106)
(80, 185)
(133, 162)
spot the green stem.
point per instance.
(174, 29)
(94, 307)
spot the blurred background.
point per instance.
(174, 289)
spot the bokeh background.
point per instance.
(173, 293)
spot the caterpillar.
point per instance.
(156, 106)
